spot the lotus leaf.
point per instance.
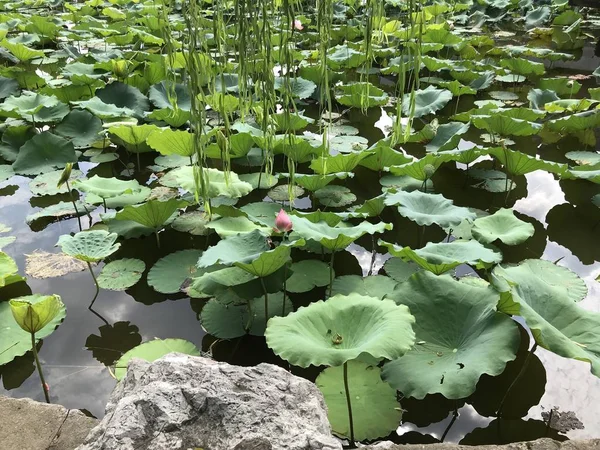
(335, 196)
(502, 225)
(517, 163)
(545, 295)
(47, 183)
(60, 210)
(426, 101)
(427, 209)
(107, 187)
(33, 313)
(315, 182)
(375, 410)
(307, 275)
(218, 184)
(228, 319)
(335, 237)
(104, 110)
(447, 136)
(284, 192)
(230, 226)
(360, 95)
(89, 246)
(81, 127)
(383, 157)
(340, 329)
(16, 342)
(153, 350)
(124, 96)
(342, 162)
(152, 214)
(8, 270)
(460, 336)
(172, 142)
(41, 264)
(171, 271)
(43, 153)
(121, 274)
(160, 96)
(132, 137)
(298, 87)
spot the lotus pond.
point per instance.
(396, 199)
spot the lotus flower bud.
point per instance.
(283, 223)
(429, 170)
(298, 25)
(66, 174)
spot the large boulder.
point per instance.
(181, 402)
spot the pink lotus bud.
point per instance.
(283, 223)
(298, 25)
(46, 387)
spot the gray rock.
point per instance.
(30, 425)
(181, 402)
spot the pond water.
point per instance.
(75, 356)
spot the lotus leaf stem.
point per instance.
(95, 281)
(454, 417)
(39, 368)
(74, 205)
(331, 272)
(349, 403)
(104, 203)
(262, 283)
(157, 239)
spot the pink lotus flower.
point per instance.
(298, 25)
(283, 223)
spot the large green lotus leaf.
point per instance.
(16, 342)
(332, 332)
(229, 226)
(104, 110)
(502, 225)
(539, 97)
(173, 117)
(260, 180)
(584, 158)
(169, 142)
(375, 410)
(121, 274)
(427, 209)
(338, 236)
(523, 66)
(560, 85)
(216, 278)
(249, 251)
(35, 107)
(229, 317)
(133, 137)
(124, 96)
(343, 56)
(298, 87)
(447, 136)
(545, 297)
(505, 126)
(153, 350)
(152, 214)
(43, 153)
(126, 199)
(537, 17)
(81, 127)
(307, 275)
(383, 157)
(442, 256)
(46, 183)
(160, 94)
(107, 187)
(517, 163)
(89, 246)
(586, 172)
(59, 210)
(8, 270)
(335, 196)
(421, 169)
(378, 286)
(360, 95)
(574, 122)
(193, 222)
(342, 162)
(218, 185)
(426, 101)
(460, 336)
(171, 271)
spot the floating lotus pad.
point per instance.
(341, 329)
(169, 273)
(121, 274)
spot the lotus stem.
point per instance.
(454, 417)
(95, 279)
(349, 403)
(262, 283)
(137, 154)
(331, 272)
(516, 379)
(285, 269)
(104, 203)
(74, 205)
(39, 368)
(157, 239)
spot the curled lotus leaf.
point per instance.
(89, 246)
(340, 329)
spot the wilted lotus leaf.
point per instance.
(42, 264)
(341, 329)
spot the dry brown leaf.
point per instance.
(42, 264)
